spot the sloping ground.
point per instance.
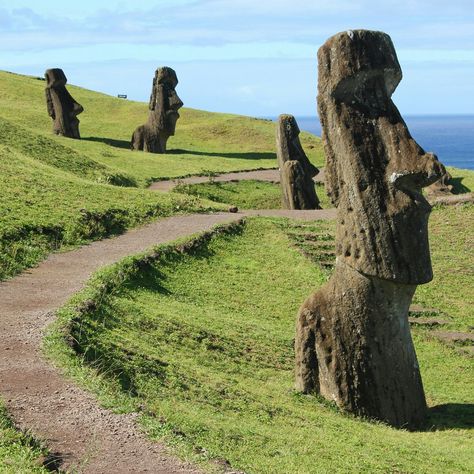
(74, 428)
(53, 190)
(43, 208)
(204, 141)
(201, 341)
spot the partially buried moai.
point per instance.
(62, 108)
(296, 171)
(353, 341)
(164, 105)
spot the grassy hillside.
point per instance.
(209, 361)
(43, 208)
(245, 194)
(203, 141)
(56, 191)
(221, 338)
(19, 452)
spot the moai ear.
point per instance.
(160, 106)
(152, 103)
(49, 103)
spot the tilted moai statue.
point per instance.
(353, 341)
(164, 105)
(296, 171)
(441, 187)
(62, 108)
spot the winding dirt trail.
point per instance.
(85, 437)
(271, 175)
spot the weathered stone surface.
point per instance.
(296, 171)
(440, 187)
(353, 342)
(164, 106)
(62, 108)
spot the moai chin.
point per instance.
(62, 108)
(296, 171)
(164, 105)
(353, 341)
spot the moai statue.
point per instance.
(164, 105)
(353, 341)
(62, 108)
(296, 171)
(441, 187)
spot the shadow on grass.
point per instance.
(242, 156)
(109, 141)
(458, 187)
(451, 416)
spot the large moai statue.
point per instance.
(62, 108)
(164, 105)
(296, 171)
(353, 341)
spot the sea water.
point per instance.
(450, 137)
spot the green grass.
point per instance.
(462, 180)
(203, 141)
(19, 453)
(208, 360)
(202, 343)
(44, 208)
(57, 192)
(245, 194)
(452, 251)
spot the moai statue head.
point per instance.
(62, 108)
(442, 187)
(375, 170)
(164, 101)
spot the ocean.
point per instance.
(450, 137)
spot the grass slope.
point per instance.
(245, 194)
(19, 453)
(53, 190)
(209, 361)
(204, 141)
(43, 208)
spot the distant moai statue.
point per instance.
(296, 171)
(353, 341)
(441, 187)
(164, 105)
(62, 108)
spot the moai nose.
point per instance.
(174, 101)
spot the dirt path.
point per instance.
(258, 175)
(86, 437)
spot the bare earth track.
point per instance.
(270, 175)
(85, 437)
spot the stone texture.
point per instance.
(164, 106)
(353, 341)
(441, 187)
(62, 108)
(296, 171)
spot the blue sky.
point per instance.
(254, 57)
